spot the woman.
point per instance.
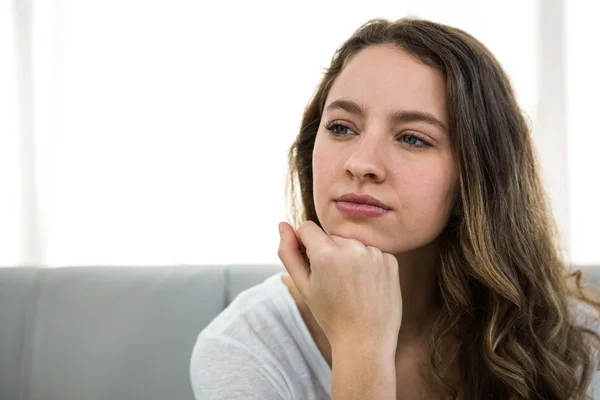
(427, 265)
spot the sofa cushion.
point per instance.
(115, 332)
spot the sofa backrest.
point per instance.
(109, 332)
(114, 333)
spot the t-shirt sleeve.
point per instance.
(224, 369)
(586, 316)
(593, 391)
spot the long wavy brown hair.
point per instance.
(524, 322)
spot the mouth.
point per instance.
(356, 210)
(362, 199)
(361, 205)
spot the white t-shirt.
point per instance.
(260, 348)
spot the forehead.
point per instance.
(385, 78)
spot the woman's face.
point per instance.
(384, 132)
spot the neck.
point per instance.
(419, 286)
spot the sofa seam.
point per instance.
(226, 285)
(27, 349)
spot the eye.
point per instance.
(338, 129)
(413, 140)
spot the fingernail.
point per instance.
(280, 230)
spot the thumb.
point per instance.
(291, 255)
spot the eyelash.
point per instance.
(330, 126)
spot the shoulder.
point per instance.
(235, 355)
(222, 368)
(584, 314)
(253, 311)
(587, 316)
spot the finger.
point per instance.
(344, 241)
(313, 237)
(292, 256)
(338, 240)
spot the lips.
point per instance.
(356, 210)
(362, 198)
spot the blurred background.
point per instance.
(156, 132)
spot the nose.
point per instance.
(366, 161)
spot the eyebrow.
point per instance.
(397, 117)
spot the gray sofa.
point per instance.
(111, 333)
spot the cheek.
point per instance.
(319, 163)
(322, 167)
(428, 191)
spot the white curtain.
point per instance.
(153, 133)
(583, 129)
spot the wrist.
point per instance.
(364, 347)
(363, 369)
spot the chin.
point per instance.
(360, 233)
(386, 244)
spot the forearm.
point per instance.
(363, 372)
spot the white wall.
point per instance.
(163, 127)
(583, 129)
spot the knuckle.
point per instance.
(389, 259)
(357, 245)
(324, 254)
(360, 251)
(374, 250)
(337, 240)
